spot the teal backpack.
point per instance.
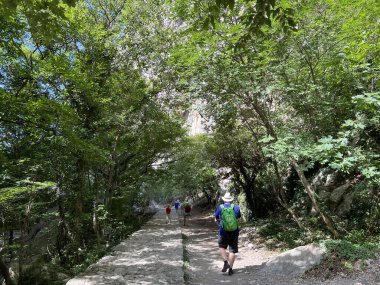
(229, 221)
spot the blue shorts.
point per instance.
(230, 240)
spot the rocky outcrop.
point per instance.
(346, 204)
(338, 193)
(335, 190)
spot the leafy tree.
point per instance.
(279, 85)
(73, 113)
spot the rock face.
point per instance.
(335, 190)
(295, 262)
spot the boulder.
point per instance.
(338, 193)
(295, 262)
(330, 179)
(346, 204)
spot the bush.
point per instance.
(356, 236)
(343, 256)
(271, 229)
(39, 274)
(347, 251)
(283, 235)
(365, 211)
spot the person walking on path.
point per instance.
(187, 210)
(168, 211)
(226, 216)
(177, 205)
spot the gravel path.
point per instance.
(152, 255)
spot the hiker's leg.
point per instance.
(223, 243)
(223, 253)
(231, 258)
(233, 249)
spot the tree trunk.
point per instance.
(208, 196)
(247, 186)
(62, 235)
(79, 186)
(248, 195)
(4, 271)
(10, 237)
(281, 197)
(311, 192)
(95, 220)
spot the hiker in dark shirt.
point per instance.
(187, 210)
(226, 216)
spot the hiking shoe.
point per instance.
(230, 271)
(225, 266)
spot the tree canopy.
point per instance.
(94, 103)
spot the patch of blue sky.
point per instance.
(53, 92)
(80, 46)
(28, 41)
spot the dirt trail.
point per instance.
(155, 255)
(204, 262)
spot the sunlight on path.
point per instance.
(205, 263)
(152, 255)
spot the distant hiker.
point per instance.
(176, 205)
(226, 216)
(168, 211)
(187, 210)
(216, 199)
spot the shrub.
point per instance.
(39, 274)
(348, 251)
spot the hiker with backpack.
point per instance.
(226, 216)
(187, 210)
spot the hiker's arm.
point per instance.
(237, 211)
(217, 215)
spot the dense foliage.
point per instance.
(94, 97)
(76, 111)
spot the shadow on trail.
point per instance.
(205, 263)
(152, 255)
